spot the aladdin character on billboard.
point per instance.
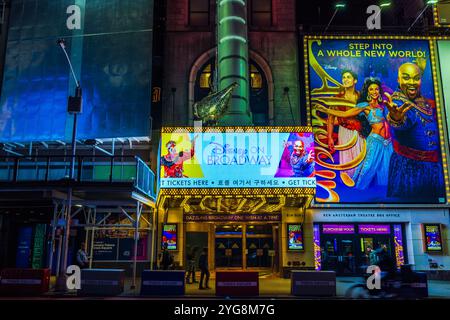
(375, 166)
(173, 160)
(302, 163)
(346, 125)
(415, 167)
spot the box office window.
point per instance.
(199, 13)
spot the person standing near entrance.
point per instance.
(203, 265)
(166, 258)
(191, 267)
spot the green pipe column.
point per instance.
(233, 60)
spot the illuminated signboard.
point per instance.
(169, 236)
(273, 217)
(110, 45)
(295, 237)
(338, 229)
(317, 250)
(364, 152)
(374, 229)
(237, 160)
(433, 242)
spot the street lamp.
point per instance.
(337, 6)
(74, 106)
(428, 3)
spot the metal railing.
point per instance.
(108, 169)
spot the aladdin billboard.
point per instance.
(110, 56)
(237, 159)
(375, 119)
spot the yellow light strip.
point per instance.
(259, 205)
(308, 102)
(264, 129)
(281, 205)
(433, 51)
(237, 191)
(241, 204)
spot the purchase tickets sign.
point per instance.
(235, 159)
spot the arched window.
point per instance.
(259, 96)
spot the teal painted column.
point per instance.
(233, 60)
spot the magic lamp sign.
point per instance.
(237, 159)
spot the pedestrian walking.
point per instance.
(82, 257)
(166, 258)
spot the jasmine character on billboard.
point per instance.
(375, 166)
(173, 160)
(302, 163)
(415, 167)
(347, 125)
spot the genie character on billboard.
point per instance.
(375, 122)
(302, 163)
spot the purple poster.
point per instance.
(317, 251)
(398, 241)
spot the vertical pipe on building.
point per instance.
(233, 59)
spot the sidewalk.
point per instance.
(274, 286)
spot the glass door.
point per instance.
(338, 254)
(260, 246)
(346, 256)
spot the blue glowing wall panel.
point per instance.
(111, 54)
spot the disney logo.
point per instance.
(227, 149)
(329, 67)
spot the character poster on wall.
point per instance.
(375, 119)
(169, 236)
(295, 237)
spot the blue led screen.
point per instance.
(111, 54)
